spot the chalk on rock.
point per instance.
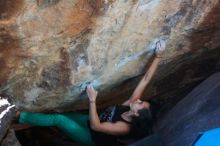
(7, 113)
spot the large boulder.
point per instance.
(51, 49)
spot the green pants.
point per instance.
(75, 125)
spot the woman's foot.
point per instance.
(16, 126)
(17, 114)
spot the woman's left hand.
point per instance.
(91, 93)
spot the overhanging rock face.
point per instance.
(50, 49)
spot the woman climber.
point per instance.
(132, 119)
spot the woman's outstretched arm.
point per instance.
(160, 47)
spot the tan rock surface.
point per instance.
(50, 49)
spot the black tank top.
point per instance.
(111, 114)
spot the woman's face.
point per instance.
(138, 105)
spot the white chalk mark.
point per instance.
(4, 112)
(130, 58)
(150, 48)
(4, 102)
(147, 4)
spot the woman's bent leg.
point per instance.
(81, 119)
(73, 129)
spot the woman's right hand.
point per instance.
(91, 93)
(160, 47)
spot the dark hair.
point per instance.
(142, 124)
